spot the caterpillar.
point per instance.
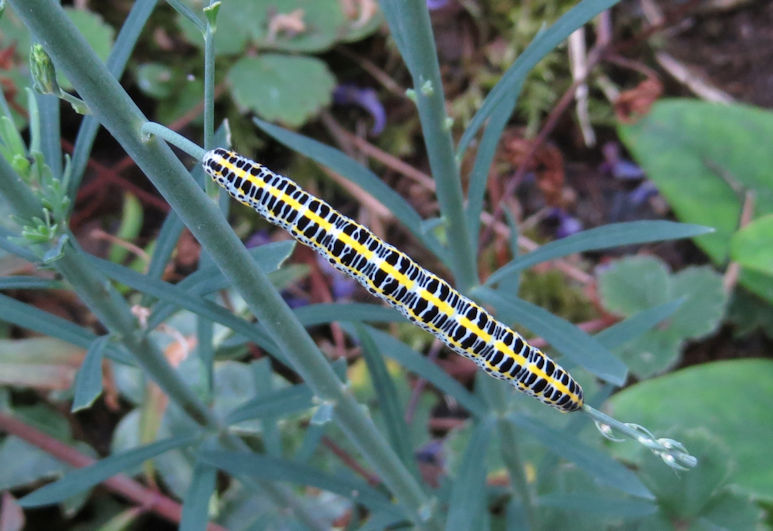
(421, 296)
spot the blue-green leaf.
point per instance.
(275, 403)
(572, 342)
(277, 469)
(88, 381)
(85, 478)
(418, 364)
(388, 402)
(27, 316)
(29, 282)
(595, 462)
(356, 173)
(612, 235)
(196, 503)
(468, 495)
(636, 325)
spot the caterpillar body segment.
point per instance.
(391, 275)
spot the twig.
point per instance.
(733, 269)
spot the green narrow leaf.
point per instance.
(85, 478)
(209, 279)
(610, 507)
(275, 403)
(612, 235)
(468, 494)
(595, 462)
(421, 366)
(483, 159)
(196, 502)
(88, 381)
(388, 402)
(26, 316)
(569, 340)
(639, 323)
(187, 13)
(27, 282)
(316, 314)
(181, 297)
(278, 469)
(359, 175)
(542, 44)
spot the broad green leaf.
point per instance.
(276, 469)
(288, 89)
(612, 235)
(594, 462)
(542, 44)
(388, 401)
(196, 504)
(421, 366)
(751, 246)
(88, 381)
(704, 158)
(276, 403)
(569, 340)
(729, 399)
(683, 497)
(468, 494)
(633, 284)
(352, 170)
(291, 25)
(25, 464)
(85, 478)
(730, 510)
(97, 33)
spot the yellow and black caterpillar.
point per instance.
(421, 296)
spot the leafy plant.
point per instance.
(634, 284)
(708, 161)
(278, 83)
(198, 408)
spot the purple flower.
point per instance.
(567, 225)
(257, 239)
(436, 4)
(617, 166)
(366, 98)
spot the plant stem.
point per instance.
(121, 117)
(413, 25)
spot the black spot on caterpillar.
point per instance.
(421, 296)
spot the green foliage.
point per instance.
(634, 284)
(706, 159)
(729, 400)
(278, 86)
(273, 421)
(751, 248)
(281, 88)
(14, 36)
